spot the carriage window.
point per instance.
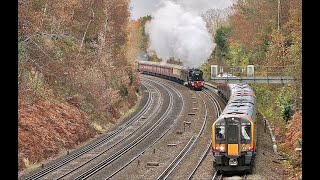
(220, 132)
(245, 133)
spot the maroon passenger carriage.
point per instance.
(191, 77)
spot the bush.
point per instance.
(299, 142)
(21, 50)
(286, 113)
(34, 82)
(285, 100)
(124, 91)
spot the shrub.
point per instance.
(34, 82)
(124, 91)
(285, 100)
(286, 112)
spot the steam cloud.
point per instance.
(176, 31)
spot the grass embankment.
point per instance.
(50, 128)
(124, 114)
(277, 103)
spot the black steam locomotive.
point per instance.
(190, 77)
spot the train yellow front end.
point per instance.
(233, 143)
(234, 132)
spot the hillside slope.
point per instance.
(47, 128)
(76, 73)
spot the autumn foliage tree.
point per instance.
(75, 52)
(269, 33)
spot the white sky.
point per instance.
(140, 8)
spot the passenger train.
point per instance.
(234, 132)
(191, 77)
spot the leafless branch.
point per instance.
(44, 14)
(84, 35)
(41, 49)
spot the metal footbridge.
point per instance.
(252, 74)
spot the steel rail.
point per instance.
(94, 145)
(209, 87)
(177, 159)
(186, 149)
(215, 103)
(179, 94)
(122, 151)
(112, 146)
(217, 176)
(218, 110)
(200, 161)
(244, 177)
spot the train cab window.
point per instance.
(220, 132)
(233, 133)
(245, 133)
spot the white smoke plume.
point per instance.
(177, 32)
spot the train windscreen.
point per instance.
(220, 132)
(245, 133)
(233, 134)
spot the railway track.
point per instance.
(215, 102)
(218, 111)
(165, 174)
(179, 94)
(132, 144)
(100, 143)
(203, 156)
(179, 157)
(146, 83)
(213, 89)
(122, 139)
(218, 176)
(94, 145)
(244, 177)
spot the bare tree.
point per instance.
(215, 18)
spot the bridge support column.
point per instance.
(250, 70)
(214, 71)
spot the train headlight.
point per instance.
(244, 148)
(221, 148)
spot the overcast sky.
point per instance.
(140, 8)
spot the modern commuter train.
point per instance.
(234, 132)
(187, 76)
